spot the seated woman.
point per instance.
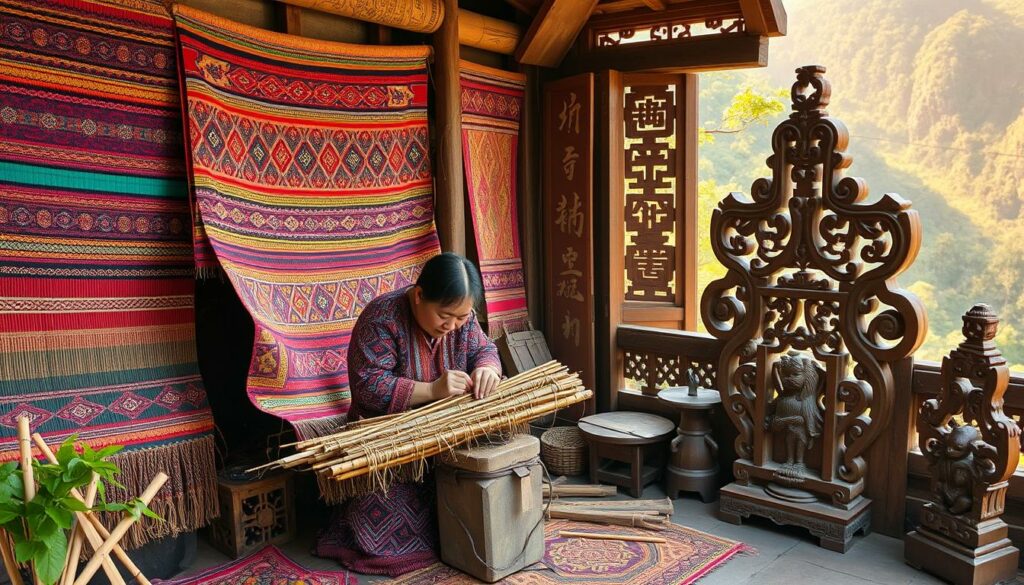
(410, 347)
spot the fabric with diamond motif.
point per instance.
(687, 556)
(312, 184)
(492, 100)
(97, 326)
(268, 566)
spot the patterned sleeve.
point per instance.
(480, 350)
(372, 361)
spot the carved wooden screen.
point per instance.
(812, 320)
(568, 221)
(659, 206)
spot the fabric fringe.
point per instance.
(318, 427)
(187, 502)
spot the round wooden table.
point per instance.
(620, 439)
(693, 466)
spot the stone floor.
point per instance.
(785, 555)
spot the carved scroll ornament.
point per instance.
(810, 269)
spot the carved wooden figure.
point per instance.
(812, 318)
(961, 536)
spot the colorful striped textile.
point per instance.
(309, 162)
(491, 102)
(97, 328)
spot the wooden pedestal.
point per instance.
(989, 563)
(833, 526)
(693, 466)
(253, 513)
(627, 440)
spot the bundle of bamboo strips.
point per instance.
(579, 491)
(368, 449)
(650, 514)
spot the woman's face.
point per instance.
(436, 320)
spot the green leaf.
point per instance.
(74, 504)
(67, 451)
(25, 550)
(7, 515)
(110, 450)
(60, 516)
(50, 561)
(11, 487)
(146, 511)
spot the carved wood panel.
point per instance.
(810, 312)
(568, 221)
(651, 207)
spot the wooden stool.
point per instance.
(626, 437)
(254, 512)
(693, 466)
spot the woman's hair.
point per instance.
(448, 278)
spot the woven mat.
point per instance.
(269, 566)
(687, 556)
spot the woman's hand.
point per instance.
(485, 380)
(451, 383)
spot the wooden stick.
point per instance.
(77, 534)
(632, 519)
(605, 536)
(119, 531)
(577, 491)
(652, 506)
(94, 530)
(27, 473)
(10, 564)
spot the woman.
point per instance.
(410, 347)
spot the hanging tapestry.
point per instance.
(310, 171)
(97, 328)
(491, 102)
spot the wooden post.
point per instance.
(450, 206)
(529, 197)
(687, 110)
(27, 473)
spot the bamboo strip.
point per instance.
(27, 473)
(576, 491)
(653, 506)
(604, 536)
(632, 519)
(10, 564)
(94, 530)
(77, 534)
(119, 531)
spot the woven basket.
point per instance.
(564, 451)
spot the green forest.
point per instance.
(932, 92)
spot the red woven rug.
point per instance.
(269, 566)
(687, 556)
(491, 103)
(310, 171)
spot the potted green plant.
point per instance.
(39, 519)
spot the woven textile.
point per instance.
(687, 556)
(269, 566)
(96, 276)
(491, 102)
(310, 171)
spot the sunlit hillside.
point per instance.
(933, 94)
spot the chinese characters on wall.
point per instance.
(568, 219)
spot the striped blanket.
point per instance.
(491, 102)
(96, 277)
(310, 170)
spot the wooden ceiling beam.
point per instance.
(524, 6)
(690, 55)
(655, 4)
(553, 31)
(755, 21)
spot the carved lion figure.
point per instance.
(955, 468)
(795, 413)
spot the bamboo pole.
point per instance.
(488, 33)
(77, 534)
(10, 564)
(119, 531)
(605, 536)
(576, 491)
(631, 519)
(27, 473)
(652, 506)
(94, 530)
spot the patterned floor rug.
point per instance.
(687, 556)
(269, 566)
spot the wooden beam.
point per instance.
(553, 31)
(524, 6)
(692, 55)
(688, 109)
(529, 198)
(755, 21)
(775, 15)
(449, 201)
(487, 33)
(655, 4)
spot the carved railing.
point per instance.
(655, 358)
(644, 26)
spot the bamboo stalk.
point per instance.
(27, 473)
(652, 506)
(77, 534)
(632, 519)
(94, 530)
(577, 491)
(605, 536)
(119, 531)
(10, 564)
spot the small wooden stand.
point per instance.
(253, 513)
(626, 437)
(693, 466)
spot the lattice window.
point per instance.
(651, 174)
(664, 31)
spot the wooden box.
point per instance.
(489, 508)
(253, 513)
(522, 350)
